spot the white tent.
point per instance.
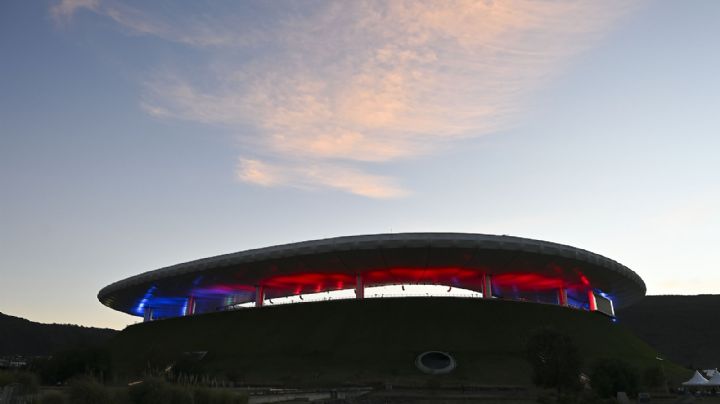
(715, 380)
(696, 380)
(710, 372)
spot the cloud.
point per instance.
(66, 9)
(168, 22)
(309, 176)
(345, 84)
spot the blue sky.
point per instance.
(137, 135)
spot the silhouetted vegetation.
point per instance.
(609, 376)
(65, 365)
(24, 337)
(654, 378)
(158, 391)
(210, 396)
(52, 397)
(86, 390)
(554, 359)
(27, 381)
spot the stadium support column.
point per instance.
(190, 309)
(562, 297)
(592, 304)
(487, 286)
(359, 287)
(259, 295)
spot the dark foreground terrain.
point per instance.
(686, 329)
(374, 341)
(332, 349)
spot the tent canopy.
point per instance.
(696, 380)
(715, 380)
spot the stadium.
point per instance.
(405, 309)
(468, 265)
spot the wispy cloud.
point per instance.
(170, 23)
(65, 9)
(345, 84)
(319, 174)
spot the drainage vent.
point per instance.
(435, 362)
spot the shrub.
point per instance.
(608, 376)
(52, 397)
(210, 396)
(157, 391)
(66, 365)
(554, 359)
(85, 390)
(654, 377)
(28, 381)
(6, 378)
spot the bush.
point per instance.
(6, 378)
(157, 391)
(68, 364)
(210, 396)
(608, 376)
(582, 397)
(554, 359)
(52, 397)
(654, 378)
(28, 381)
(85, 390)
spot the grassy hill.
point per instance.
(19, 336)
(375, 340)
(684, 328)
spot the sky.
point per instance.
(136, 135)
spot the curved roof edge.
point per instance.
(373, 241)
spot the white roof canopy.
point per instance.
(696, 380)
(715, 380)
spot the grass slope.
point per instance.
(19, 336)
(375, 340)
(684, 328)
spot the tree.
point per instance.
(65, 365)
(609, 376)
(554, 359)
(654, 377)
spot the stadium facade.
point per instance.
(496, 267)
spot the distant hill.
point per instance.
(19, 336)
(686, 329)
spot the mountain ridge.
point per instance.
(20, 336)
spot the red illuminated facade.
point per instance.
(496, 266)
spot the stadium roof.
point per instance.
(456, 259)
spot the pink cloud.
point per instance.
(312, 176)
(351, 83)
